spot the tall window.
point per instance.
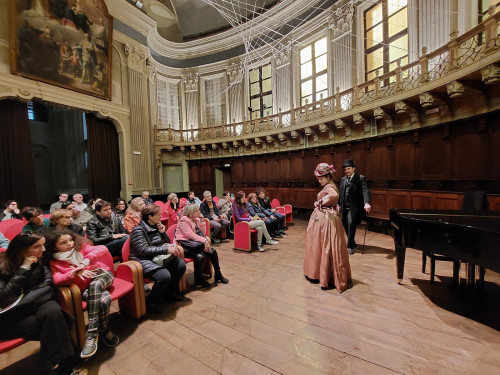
(168, 104)
(215, 102)
(313, 72)
(386, 37)
(261, 98)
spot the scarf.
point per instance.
(74, 257)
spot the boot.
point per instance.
(199, 262)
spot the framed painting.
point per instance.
(66, 43)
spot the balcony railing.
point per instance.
(465, 50)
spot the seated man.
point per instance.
(63, 197)
(265, 202)
(106, 229)
(193, 199)
(210, 210)
(80, 218)
(34, 217)
(78, 202)
(147, 199)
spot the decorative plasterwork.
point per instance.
(340, 20)
(235, 72)
(282, 54)
(427, 100)
(151, 69)
(455, 89)
(491, 74)
(136, 58)
(190, 81)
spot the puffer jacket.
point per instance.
(145, 243)
(100, 230)
(257, 210)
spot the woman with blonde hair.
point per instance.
(173, 209)
(326, 259)
(133, 214)
(62, 219)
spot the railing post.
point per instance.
(192, 133)
(355, 99)
(424, 66)
(169, 134)
(321, 104)
(338, 108)
(490, 30)
(399, 77)
(292, 115)
(307, 109)
(280, 119)
(376, 82)
(268, 120)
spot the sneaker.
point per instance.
(272, 242)
(277, 235)
(352, 251)
(221, 279)
(108, 338)
(215, 240)
(260, 247)
(90, 346)
(283, 233)
(79, 371)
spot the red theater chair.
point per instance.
(286, 209)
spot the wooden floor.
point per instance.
(270, 320)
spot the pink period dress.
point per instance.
(326, 258)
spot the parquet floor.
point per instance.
(270, 320)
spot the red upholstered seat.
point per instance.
(286, 209)
(243, 234)
(5, 346)
(11, 228)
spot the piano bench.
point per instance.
(434, 258)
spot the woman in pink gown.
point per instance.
(326, 258)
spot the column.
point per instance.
(235, 75)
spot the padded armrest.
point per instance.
(128, 271)
(65, 299)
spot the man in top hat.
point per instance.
(354, 200)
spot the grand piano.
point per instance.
(471, 237)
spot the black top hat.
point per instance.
(349, 163)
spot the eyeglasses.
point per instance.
(13, 204)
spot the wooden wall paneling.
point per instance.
(421, 200)
(238, 172)
(297, 168)
(194, 174)
(249, 173)
(207, 175)
(494, 202)
(273, 167)
(284, 168)
(379, 203)
(310, 163)
(493, 155)
(446, 201)
(404, 162)
(399, 199)
(382, 164)
(261, 170)
(433, 158)
(470, 159)
(309, 196)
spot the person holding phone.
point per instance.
(74, 260)
(226, 205)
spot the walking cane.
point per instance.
(364, 238)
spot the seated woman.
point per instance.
(11, 211)
(119, 208)
(74, 260)
(265, 202)
(240, 212)
(173, 209)
(34, 217)
(256, 210)
(37, 316)
(147, 241)
(60, 220)
(80, 218)
(189, 235)
(133, 214)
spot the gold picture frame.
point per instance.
(66, 43)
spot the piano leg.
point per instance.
(424, 261)
(400, 261)
(433, 268)
(456, 273)
(471, 274)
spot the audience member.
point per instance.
(63, 197)
(119, 208)
(147, 199)
(210, 210)
(79, 217)
(78, 202)
(173, 209)
(256, 210)
(34, 217)
(36, 316)
(106, 229)
(91, 206)
(196, 245)
(4, 241)
(265, 202)
(148, 245)
(226, 205)
(133, 214)
(62, 219)
(193, 199)
(74, 260)
(11, 211)
(240, 212)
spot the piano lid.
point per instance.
(484, 220)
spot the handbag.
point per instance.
(163, 259)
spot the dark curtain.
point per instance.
(17, 180)
(103, 159)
